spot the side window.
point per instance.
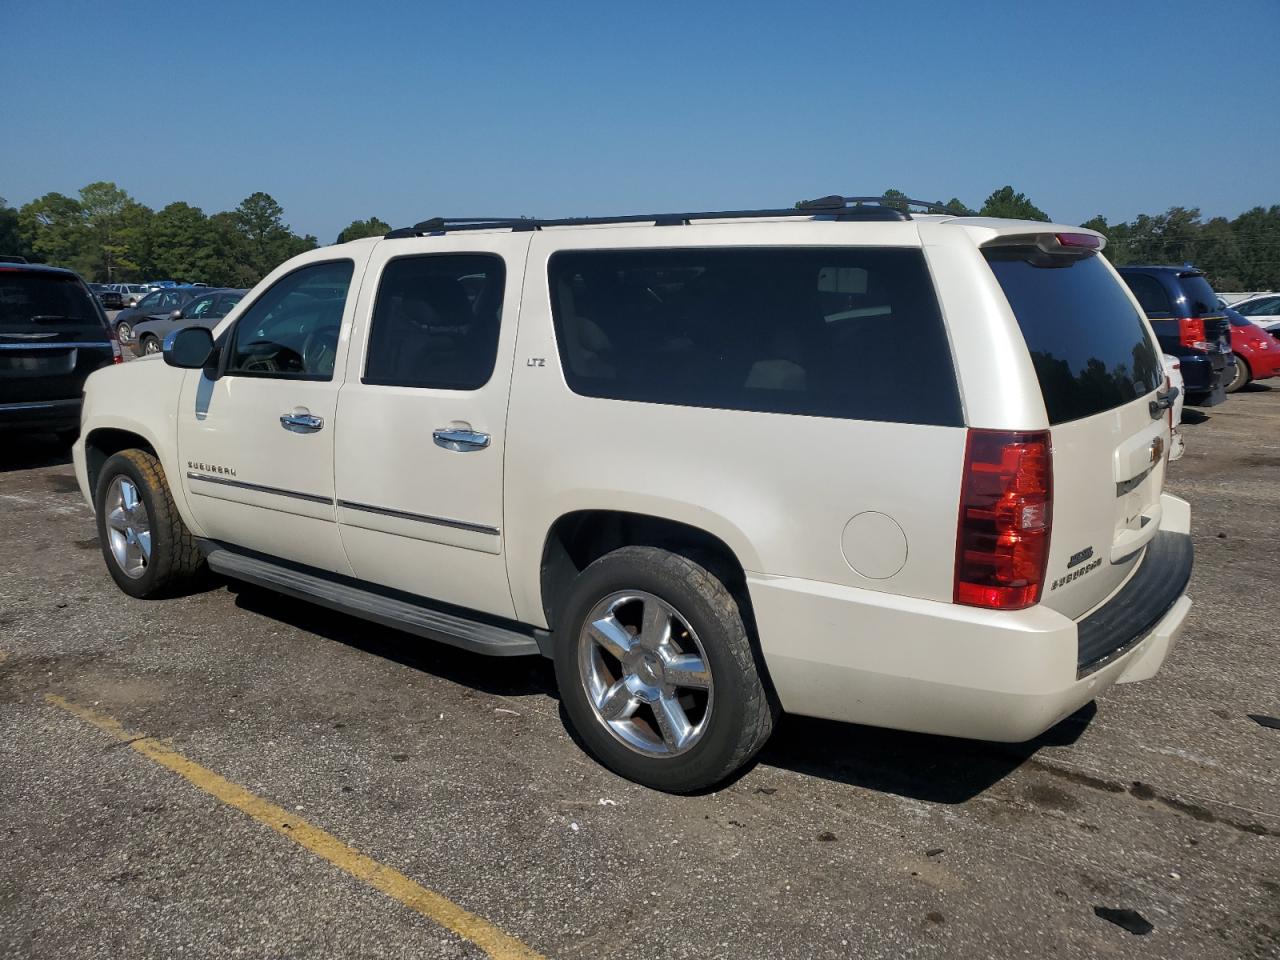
(1150, 293)
(436, 321)
(198, 308)
(813, 331)
(225, 303)
(150, 302)
(291, 331)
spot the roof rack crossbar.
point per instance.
(835, 207)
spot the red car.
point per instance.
(1257, 352)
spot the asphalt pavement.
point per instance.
(235, 774)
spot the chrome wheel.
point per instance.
(124, 330)
(150, 345)
(128, 527)
(646, 674)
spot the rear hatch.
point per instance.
(1100, 373)
(1202, 303)
(52, 335)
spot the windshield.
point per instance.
(30, 298)
(1089, 345)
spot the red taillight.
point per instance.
(1191, 333)
(1006, 512)
(116, 355)
(1085, 241)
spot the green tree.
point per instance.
(12, 240)
(103, 206)
(268, 239)
(1005, 202)
(53, 227)
(896, 199)
(955, 206)
(357, 229)
(183, 248)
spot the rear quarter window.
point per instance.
(847, 332)
(1089, 345)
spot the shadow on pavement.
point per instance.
(30, 451)
(914, 765)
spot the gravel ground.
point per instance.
(457, 771)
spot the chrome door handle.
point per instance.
(460, 440)
(301, 422)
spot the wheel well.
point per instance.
(577, 539)
(1240, 360)
(103, 443)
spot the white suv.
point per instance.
(839, 460)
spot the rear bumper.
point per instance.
(861, 656)
(40, 415)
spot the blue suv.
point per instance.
(1184, 311)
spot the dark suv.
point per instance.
(53, 334)
(1190, 325)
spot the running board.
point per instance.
(478, 637)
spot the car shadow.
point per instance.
(502, 676)
(934, 769)
(31, 451)
(1254, 386)
(1192, 416)
(918, 766)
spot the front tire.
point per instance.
(150, 344)
(1243, 375)
(657, 673)
(148, 550)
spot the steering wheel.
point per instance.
(319, 350)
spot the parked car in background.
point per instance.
(1256, 351)
(1173, 370)
(204, 311)
(53, 334)
(158, 284)
(1261, 310)
(1184, 311)
(107, 295)
(155, 305)
(132, 293)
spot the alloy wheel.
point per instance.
(646, 674)
(128, 527)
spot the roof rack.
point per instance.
(833, 207)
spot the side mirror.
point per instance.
(175, 315)
(189, 348)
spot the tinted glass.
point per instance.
(1149, 291)
(1201, 300)
(149, 301)
(52, 302)
(225, 303)
(198, 307)
(1090, 347)
(824, 332)
(436, 322)
(291, 331)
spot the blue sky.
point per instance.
(404, 110)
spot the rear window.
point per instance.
(1201, 300)
(849, 332)
(1089, 345)
(35, 300)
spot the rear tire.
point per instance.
(678, 713)
(148, 550)
(1243, 374)
(149, 344)
(124, 331)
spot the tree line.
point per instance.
(105, 235)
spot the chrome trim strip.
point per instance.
(39, 405)
(259, 488)
(103, 344)
(1125, 486)
(421, 518)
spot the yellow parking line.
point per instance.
(394, 884)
